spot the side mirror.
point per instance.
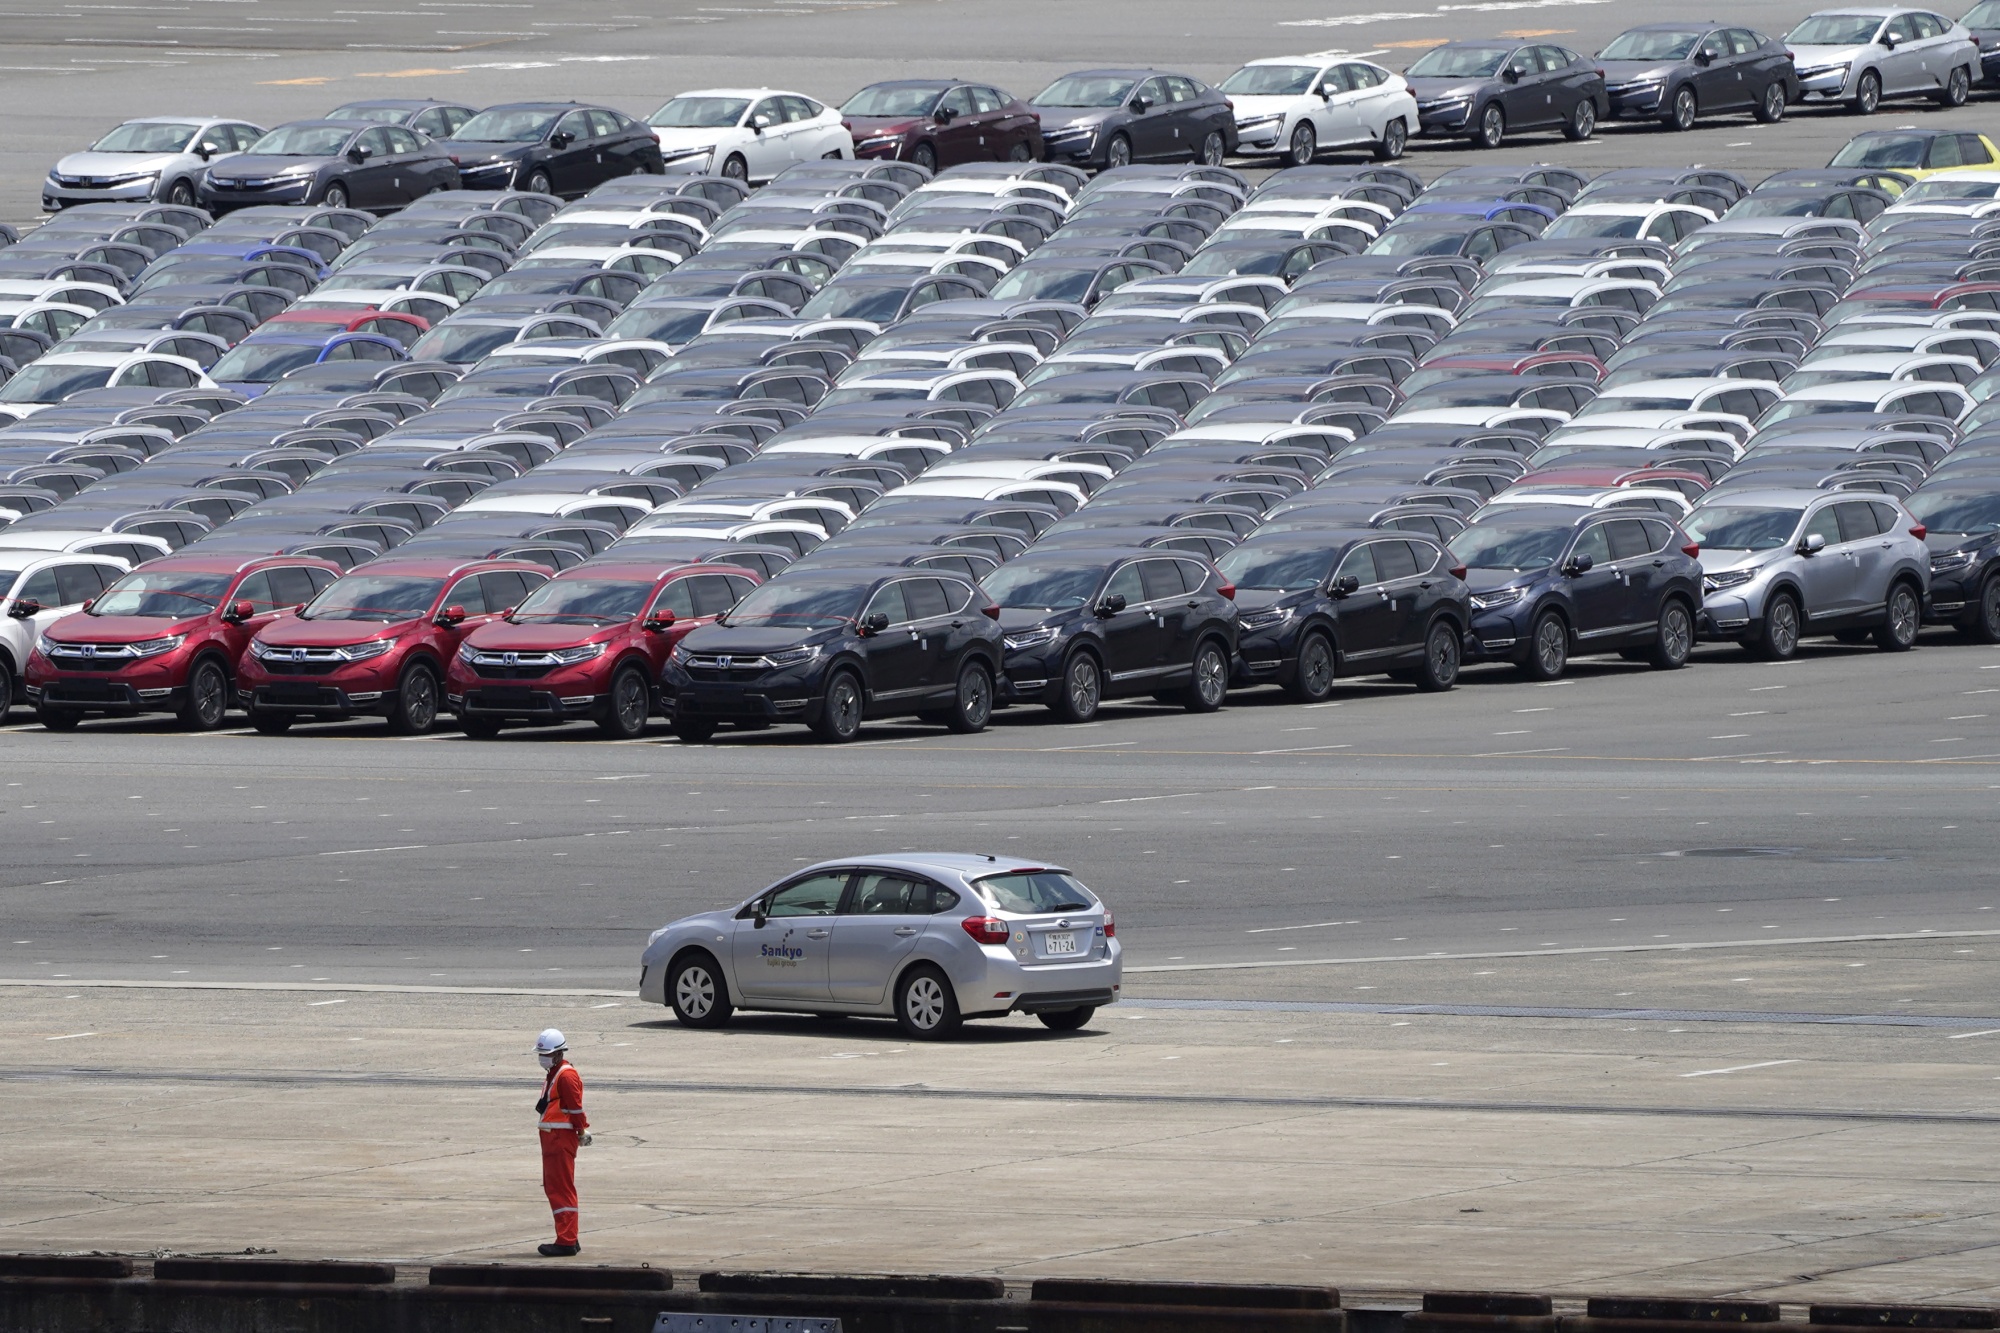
(450, 616)
(659, 620)
(1889, 40)
(239, 612)
(23, 608)
(1111, 605)
(1812, 545)
(206, 151)
(1326, 92)
(1140, 106)
(1511, 74)
(1703, 58)
(945, 115)
(1578, 564)
(875, 623)
(760, 123)
(1346, 586)
(561, 139)
(87, 605)
(758, 920)
(357, 155)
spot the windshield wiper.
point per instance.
(1067, 907)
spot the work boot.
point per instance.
(554, 1251)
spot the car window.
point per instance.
(79, 583)
(1394, 560)
(576, 124)
(1595, 543)
(1929, 25)
(1182, 90)
(1715, 46)
(879, 894)
(40, 587)
(1161, 579)
(958, 101)
(256, 590)
(603, 123)
(1944, 152)
(507, 588)
(816, 896)
(712, 594)
(1628, 539)
(1857, 521)
(291, 585)
(1742, 41)
(1552, 57)
(677, 597)
(1152, 91)
(1972, 151)
(1359, 565)
(1126, 583)
(402, 141)
(1823, 525)
(925, 599)
(985, 100)
(889, 601)
(467, 594)
(432, 122)
(1365, 76)
(375, 142)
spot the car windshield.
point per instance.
(885, 101)
(799, 605)
(1940, 511)
(585, 601)
(1271, 80)
(1030, 891)
(1461, 62)
(875, 304)
(52, 383)
(1043, 284)
(1417, 241)
(142, 137)
(700, 113)
(1883, 150)
(1648, 45)
(1986, 14)
(1740, 528)
(302, 141)
(507, 125)
(1032, 586)
(261, 363)
(1779, 206)
(165, 595)
(1085, 90)
(1836, 30)
(667, 326)
(466, 342)
(378, 597)
(1275, 570)
(1611, 225)
(374, 115)
(1510, 545)
(1943, 187)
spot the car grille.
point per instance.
(317, 696)
(285, 668)
(527, 672)
(87, 691)
(724, 667)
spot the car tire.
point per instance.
(1082, 693)
(1213, 149)
(57, 719)
(1067, 1020)
(1956, 88)
(180, 192)
(1778, 638)
(696, 991)
(1901, 619)
(1117, 153)
(1443, 655)
(538, 182)
(841, 709)
(1673, 640)
(1771, 106)
(1020, 152)
(207, 705)
(926, 1007)
(336, 195)
(1548, 648)
(694, 730)
(1395, 139)
(1208, 682)
(736, 169)
(972, 706)
(266, 723)
(1304, 145)
(629, 707)
(1582, 122)
(1984, 627)
(1490, 129)
(6, 690)
(415, 708)
(1315, 671)
(925, 156)
(480, 728)
(1867, 94)
(1681, 109)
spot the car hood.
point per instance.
(500, 637)
(681, 140)
(1722, 562)
(1953, 541)
(718, 920)
(258, 165)
(1806, 57)
(1257, 599)
(862, 127)
(465, 151)
(1276, 104)
(1058, 118)
(115, 164)
(1486, 580)
(82, 628)
(1632, 71)
(1014, 619)
(293, 632)
(1431, 90)
(752, 640)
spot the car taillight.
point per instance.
(1228, 590)
(1691, 550)
(1919, 531)
(991, 610)
(454, 159)
(987, 929)
(1110, 927)
(1458, 572)
(1600, 73)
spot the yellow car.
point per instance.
(1915, 154)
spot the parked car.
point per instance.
(938, 123)
(1678, 72)
(1863, 55)
(1485, 90)
(38, 588)
(1295, 106)
(558, 148)
(153, 157)
(338, 163)
(747, 134)
(1109, 118)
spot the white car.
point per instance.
(56, 376)
(1293, 106)
(36, 590)
(747, 134)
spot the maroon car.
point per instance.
(166, 638)
(377, 641)
(939, 123)
(589, 643)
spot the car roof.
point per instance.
(741, 92)
(1785, 497)
(629, 568)
(440, 566)
(407, 103)
(323, 120)
(535, 106)
(965, 866)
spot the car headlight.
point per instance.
(1030, 638)
(876, 140)
(1444, 103)
(466, 652)
(1269, 616)
(1258, 122)
(1946, 561)
(793, 656)
(1734, 578)
(680, 653)
(133, 177)
(154, 647)
(361, 652)
(571, 656)
(1499, 597)
(44, 644)
(1818, 70)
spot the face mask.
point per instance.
(548, 1061)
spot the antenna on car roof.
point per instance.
(991, 857)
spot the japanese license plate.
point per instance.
(1059, 941)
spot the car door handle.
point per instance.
(818, 934)
(906, 930)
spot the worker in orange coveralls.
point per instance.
(564, 1129)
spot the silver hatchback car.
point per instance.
(930, 939)
(1778, 565)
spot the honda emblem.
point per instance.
(298, 654)
(90, 650)
(510, 659)
(725, 662)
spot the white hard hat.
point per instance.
(550, 1042)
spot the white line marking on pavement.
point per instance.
(1989, 1032)
(359, 851)
(1737, 1069)
(71, 1037)
(317, 1003)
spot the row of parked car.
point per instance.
(870, 442)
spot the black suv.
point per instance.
(1548, 582)
(1085, 625)
(830, 647)
(1315, 606)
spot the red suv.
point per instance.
(377, 641)
(588, 643)
(165, 638)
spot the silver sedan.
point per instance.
(931, 939)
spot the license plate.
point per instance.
(1059, 941)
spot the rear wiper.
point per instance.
(1068, 907)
